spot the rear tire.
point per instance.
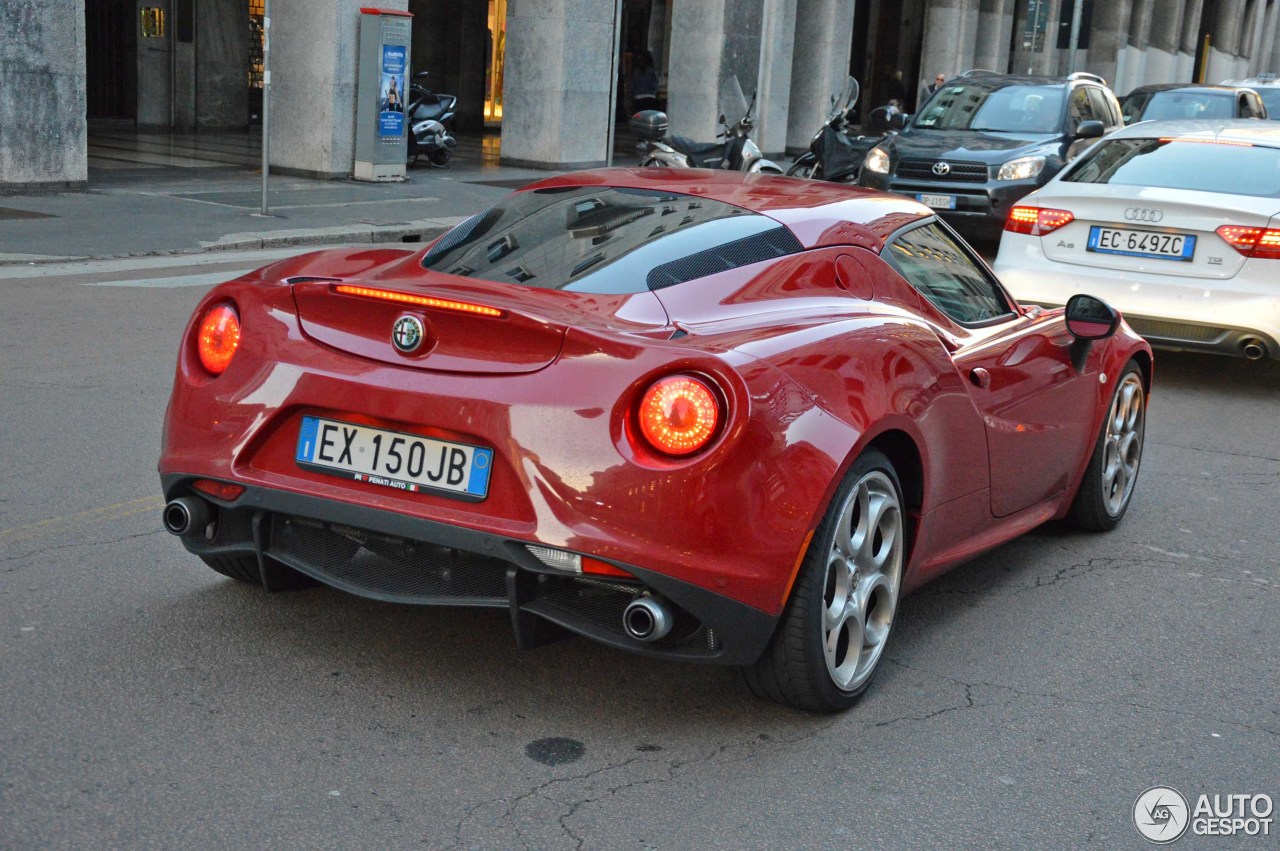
(805, 168)
(1107, 487)
(831, 639)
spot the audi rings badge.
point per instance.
(1150, 215)
(942, 169)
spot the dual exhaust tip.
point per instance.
(647, 618)
(187, 516)
(1253, 348)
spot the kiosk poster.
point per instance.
(392, 91)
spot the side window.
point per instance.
(1080, 109)
(1102, 108)
(933, 263)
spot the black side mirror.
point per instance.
(1090, 130)
(899, 120)
(1090, 318)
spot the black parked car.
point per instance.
(1176, 101)
(985, 140)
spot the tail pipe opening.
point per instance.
(187, 515)
(647, 618)
(1253, 348)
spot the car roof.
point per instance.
(1249, 130)
(999, 81)
(817, 212)
(1187, 87)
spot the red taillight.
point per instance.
(218, 490)
(602, 568)
(1037, 221)
(679, 415)
(1257, 243)
(219, 337)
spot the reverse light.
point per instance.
(1037, 221)
(1024, 168)
(574, 563)
(679, 415)
(877, 161)
(218, 338)
(1255, 243)
(420, 300)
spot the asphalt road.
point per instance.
(1026, 700)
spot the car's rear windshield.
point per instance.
(602, 239)
(1177, 105)
(1011, 109)
(1204, 166)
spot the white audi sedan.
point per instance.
(1175, 223)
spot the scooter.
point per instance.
(429, 115)
(735, 153)
(835, 154)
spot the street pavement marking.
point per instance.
(208, 279)
(101, 514)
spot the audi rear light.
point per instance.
(218, 338)
(1254, 243)
(679, 415)
(1037, 221)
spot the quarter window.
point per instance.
(935, 264)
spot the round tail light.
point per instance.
(679, 415)
(219, 337)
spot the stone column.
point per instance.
(222, 58)
(995, 28)
(1107, 40)
(1190, 41)
(1136, 55)
(778, 37)
(711, 42)
(820, 64)
(1162, 49)
(950, 38)
(43, 132)
(556, 82)
(1269, 55)
(313, 85)
(1227, 25)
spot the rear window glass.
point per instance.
(1177, 105)
(1012, 109)
(600, 239)
(1233, 169)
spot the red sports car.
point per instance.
(697, 415)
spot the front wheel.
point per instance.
(805, 167)
(1107, 488)
(833, 633)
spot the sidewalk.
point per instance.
(208, 206)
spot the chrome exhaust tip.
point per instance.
(1253, 348)
(186, 516)
(647, 619)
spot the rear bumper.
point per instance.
(1189, 314)
(394, 557)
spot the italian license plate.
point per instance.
(937, 202)
(1142, 243)
(407, 462)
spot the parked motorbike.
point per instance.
(429, 116)
(835, 154)
(736, 151)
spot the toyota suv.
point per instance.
(984, 140)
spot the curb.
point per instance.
(417, 231)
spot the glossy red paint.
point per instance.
(815, 356)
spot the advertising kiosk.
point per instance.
(382, 94)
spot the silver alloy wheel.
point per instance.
(1122, 448)
(864, 571)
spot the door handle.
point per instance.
(980, 377)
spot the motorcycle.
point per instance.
(429, 115)
(835, 154)
(735, 153)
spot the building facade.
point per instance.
(556, 75)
